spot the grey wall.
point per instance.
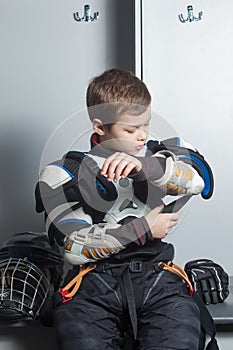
(46, 62)
(47, 59)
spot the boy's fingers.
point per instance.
(115, 164)
(119, 165)
(130, 166)
(158, 209)
(120, 169)
(107, 162)
(115, 167)
(109, 167)
(113, 159)
(175, 217)
(123, 169)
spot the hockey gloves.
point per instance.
(209, 280)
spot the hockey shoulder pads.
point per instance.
(187, 154)
(57, 180)
(90, 244)
(209, 280)
(76, 177)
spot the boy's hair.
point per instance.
(116, 92)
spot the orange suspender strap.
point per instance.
(177, 270)
(68, 294)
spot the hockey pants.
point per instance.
(98, 315)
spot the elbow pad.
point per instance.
(179, 177)
(91, 244)
(185, 153)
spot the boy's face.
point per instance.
(128, 134)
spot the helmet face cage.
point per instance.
(23, 289)
(36, 248)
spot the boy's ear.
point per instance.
(98, 126)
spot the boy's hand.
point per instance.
(120, 165)
(161, 224)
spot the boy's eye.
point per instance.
(130, 131)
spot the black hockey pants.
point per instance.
(153, 305)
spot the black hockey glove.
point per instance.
(209, 280)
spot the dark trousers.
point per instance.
(98, 317)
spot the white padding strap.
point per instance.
(55, 176)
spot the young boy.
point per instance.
(105, 208)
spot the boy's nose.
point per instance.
(142, 134)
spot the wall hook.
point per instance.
(87, 15)
(191, 17)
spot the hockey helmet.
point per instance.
(29, 268)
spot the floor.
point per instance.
(36, 337)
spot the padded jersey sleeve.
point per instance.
(184, 169)
(154, 163)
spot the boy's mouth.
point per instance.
(140, 147)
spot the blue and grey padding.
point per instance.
(204, 170)
(52, 178)
(59, 231)
(188, 154)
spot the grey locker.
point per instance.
(184, 52)
(47, 60)
(188, 67)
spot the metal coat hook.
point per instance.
(87, 15)
(191, 17)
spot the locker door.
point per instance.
(186, 60)
(47, 60)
